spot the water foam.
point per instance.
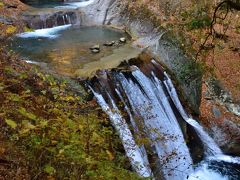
(44, 33)
(204, 173)
(75, 5)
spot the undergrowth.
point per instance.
(58, 135)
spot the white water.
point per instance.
(137, 159)
(212, 151)
(44, 33)
(134, 125)
(75, 5)
(147, 105)
(31, 62)
(225, 158)
(211, 148)
(150, 103)
(204, 173)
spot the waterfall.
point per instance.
(211, 148)
(137, 159)
(148, 106)
(147, 103)
(64, 21)
(148, 100)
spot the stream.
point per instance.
(139, 98)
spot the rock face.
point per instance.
(222, 114)
(159, 43)
(48, 19)
(6, 20)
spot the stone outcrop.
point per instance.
(48, 19)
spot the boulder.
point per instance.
(109, 43)
(95, 47)
(122, 40)
(95, 51)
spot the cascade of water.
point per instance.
(68, 19)
(64, 21)
(47, 33)
(137, 159)
(211, 148)
(134, 125)
(150, 107)
(149, 101)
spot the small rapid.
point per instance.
(45, 33)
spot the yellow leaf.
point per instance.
(11, 29)
(110, 155)
(11, 123)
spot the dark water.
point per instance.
(64, 51)
(43, 3)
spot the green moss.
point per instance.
(199, 22)
(191, 71)
(27, 29)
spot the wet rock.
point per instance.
(122, 40)
(95, 50)
(6, 20)
(234, 108)
(109, 43)
(14, 6)
(216, 112)
(226, 135)
(39, 20)
(96, 47)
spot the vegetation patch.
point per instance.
(57, 133)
